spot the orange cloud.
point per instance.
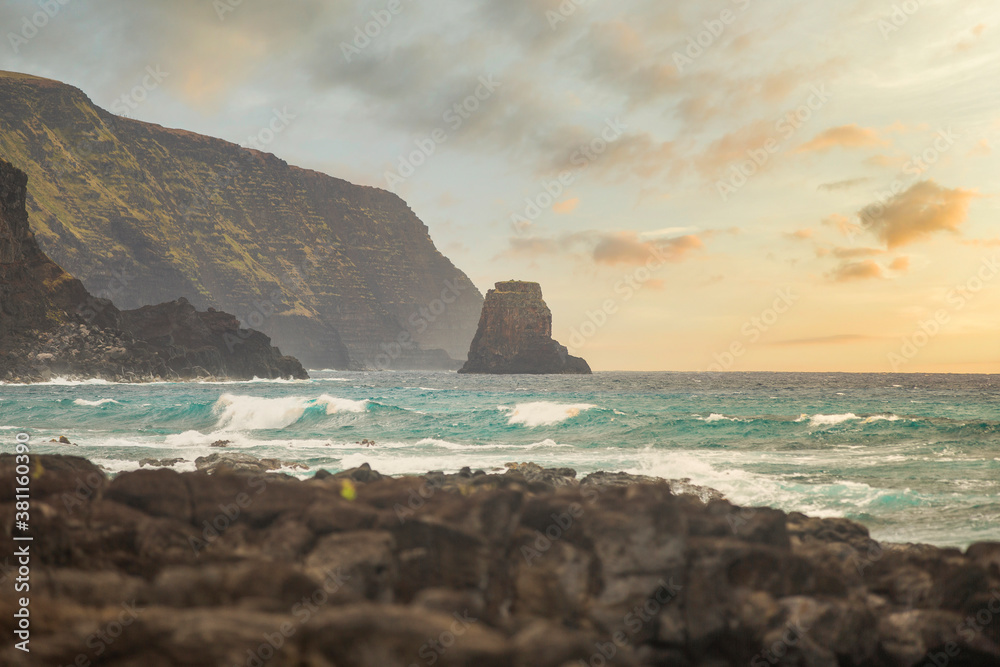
(917, 213)
(900, 263)
(626, 248)
(882, 161)
(567, 206)
(851, 253)
(983, 148)
(611, 248)
(845, 136)
(801, 234)
(843, 224)
(863, 270)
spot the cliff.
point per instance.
(531, 568)
(50, 325)
(515, 335)
(337, 274)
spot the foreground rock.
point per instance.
(51, 326)
(515, 335)
(529, 568)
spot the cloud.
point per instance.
(566, 206)
(627, 248)
(845, 136)
(800, 234)
(882, 161)
(917, 213)
(982, 149)
(843, 185)
(900, 264)
(841, 224)
(851, 253)
(864, 270)
(608, 248)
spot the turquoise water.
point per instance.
(913, 457)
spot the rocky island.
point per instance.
(515, 335)
(51, 326)
(530, 567)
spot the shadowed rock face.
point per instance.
(530, 568)
(339, 275)
(515, 335)
(50, 325)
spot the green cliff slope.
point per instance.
(339, 275)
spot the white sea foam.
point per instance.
(831, 420)
(715, 417)
(544, 413)
(97, 403)
(887, 417)
(335, 405)
(252, 413)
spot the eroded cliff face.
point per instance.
(50, 325)
(515, 335)
(339, 275)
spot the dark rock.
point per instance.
(51, 326)
(235, 461)
(159, 463)
(463, 569)
(515, 335)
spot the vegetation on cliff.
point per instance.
(339, 275)
(50, 325)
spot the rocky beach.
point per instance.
(530, 567)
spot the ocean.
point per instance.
(915, 458)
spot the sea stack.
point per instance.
(515, 335)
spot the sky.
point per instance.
(720, 185)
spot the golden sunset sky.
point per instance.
(735, 184)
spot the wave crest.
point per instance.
(544, 413)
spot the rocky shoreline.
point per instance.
(531, 567)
